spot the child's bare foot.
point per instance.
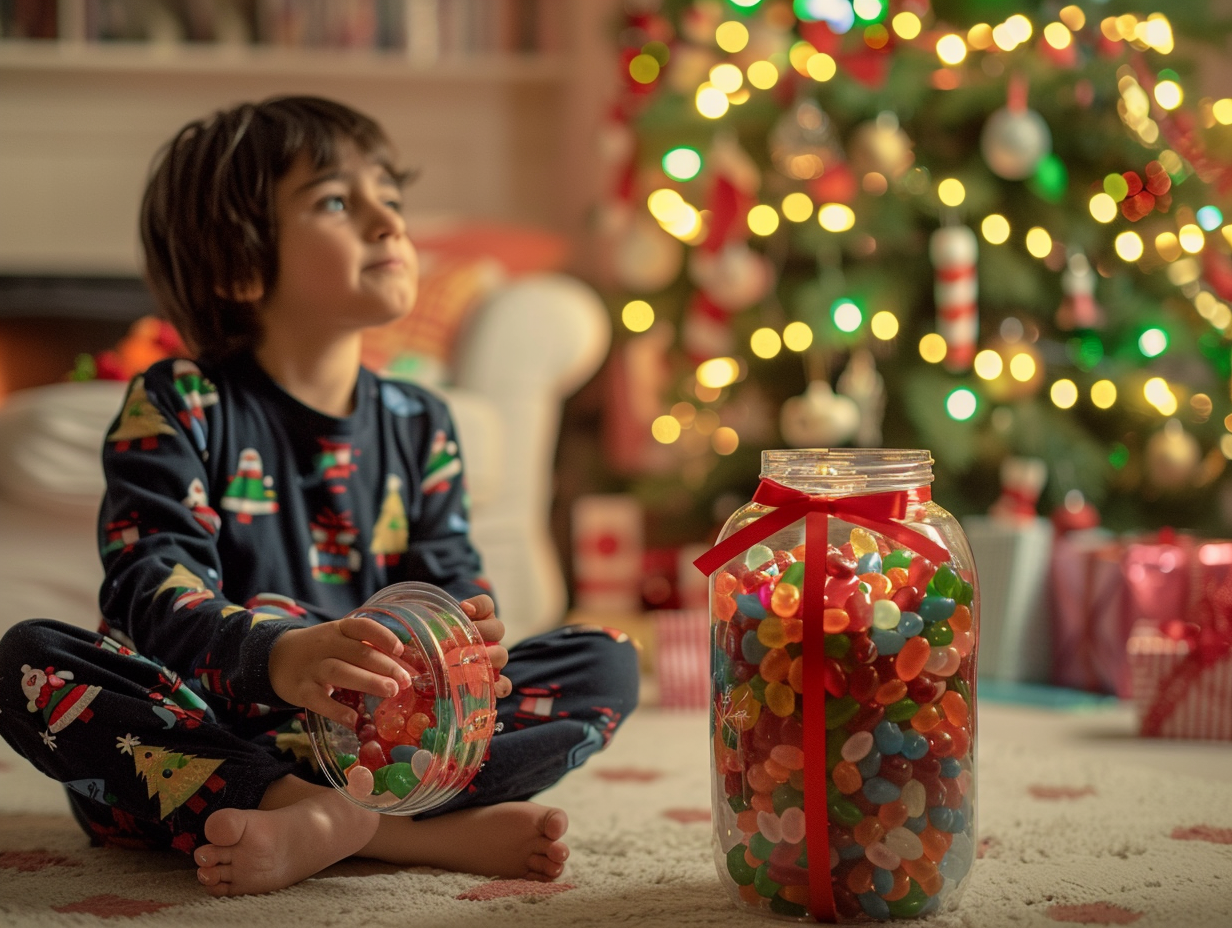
(516, 840)
(261, 850)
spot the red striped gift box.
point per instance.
(1174, 694)
(682, 658)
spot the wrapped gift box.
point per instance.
(1011, 559)
(1177, 694)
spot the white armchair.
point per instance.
(527, 347)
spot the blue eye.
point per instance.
(333, 204)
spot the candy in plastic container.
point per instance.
(418, 749)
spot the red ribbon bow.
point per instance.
(876, 511)
(1209, 640)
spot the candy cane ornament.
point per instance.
(953, 250)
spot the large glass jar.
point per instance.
(414, 751)
(844, 620)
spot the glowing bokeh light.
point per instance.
(1039, 242)
(762, 74)
(932, 348)
(797, 336)
(711, 102)
(1058, 35)
(988, 364)
(731, 36)
(765, 343)
(995, 229)
(1063, 393)
(836, 217)
(951, 192)
(883, 325)
(1103, 208)
(683, 163)
(644, 68)
(1169, 95)
(906, 25)
(718, 372)
(637, 315)
(951, 49)
(798, 207)
(821, 67)
(665, 429)
(1103, 394)
(846, 315)
(1210, 218)
(1191, 238)
(763, 219)
(1022, 367)
(1128, 246)
(724, 440)
(1153, 342)
(727, 77)
(961, 404)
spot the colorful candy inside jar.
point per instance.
(413, 751)
(897, 669)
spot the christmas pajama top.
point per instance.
(233, 512)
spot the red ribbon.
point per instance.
(875, 511)
(1209, 643)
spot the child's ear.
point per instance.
(242, 293)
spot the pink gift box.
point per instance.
(1190, 702)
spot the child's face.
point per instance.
(344, 260)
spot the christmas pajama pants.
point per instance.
(145, 759)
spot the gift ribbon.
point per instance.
(875, 511)
(1208, 645)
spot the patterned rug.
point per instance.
(1071, 833)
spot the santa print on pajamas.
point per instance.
(220, 481)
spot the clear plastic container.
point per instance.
(843, 712)
(414, 751)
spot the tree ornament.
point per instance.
(1015, 138)
(643, 258)
(735, 277)
(818, 418)
(1022, 480)
(802, 143)
(953, 250)
(880, 145)
(866, 388)
(1075, 514)
(1172, 456)
(1078, 308)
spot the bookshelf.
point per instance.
(498, 112)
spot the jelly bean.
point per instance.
(878, 586)
(760, 847)
(724, 607)
(886, 615)
(420, 761)
(900, 887)
(874, 906)
(880, 790)
(950, 767)
(786, 875)
(781, 699)
(793, 825)
(750, 606)
(838, 589)
(758, 556)
(883, 881)
(839, 566)
(888, 737)
(960, 621)
(964, 780)
(845, 812)
(964, 643)
(940, 742)
(899, 558)
(743, 708)
(757, 685)
(926, 719)
(859, 612)
(943, 661)
(764, 594)
(759, 779)
(863, 650)
(372, 755)
(868, 718)
(906, 597)
(920, 571)
(400, 779)
(724, 582)
(761, 802)
(917, 824)
(863, 542)
(870, 766)
(391, 725)
(910, 625)
(910, 905)
(737, 867)
(769, 827)
(839, 711)
(860, 877)
(765, 886)
(835, 621)
(892, 814)
(887, 642)
(944, 581)
(955, 708)
(749, 894)
(941, 818)
(751, 649)
(863, 682)
(939, 634)
(911, 658)
(926, 874)
(775, 665)
(881, 856)
(771, 634)
(925, 689)
(957, 861)
(868, 831)
(901, 710)
(897, 577)
(934, 608)
(890, 691)
(785, 600)
(897, 769)
(869, 563)
(776, 770)
(935, 843)
(793, 630)
(856, 747)
(914, 798)
(905, 843)
(360, 781)
(795, 675)
(915, 745)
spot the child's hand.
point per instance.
(307, 665)
(482, 612)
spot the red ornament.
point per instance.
(1146, 197)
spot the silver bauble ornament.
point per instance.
(1014, 142)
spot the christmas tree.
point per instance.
(990, 229)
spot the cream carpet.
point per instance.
(1079, 823)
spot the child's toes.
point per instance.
(211, 855)
(557, 851)
(215, 875)
(554, 824)
(541, 867)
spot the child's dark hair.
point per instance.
(207, 218)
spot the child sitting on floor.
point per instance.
(246, 493)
